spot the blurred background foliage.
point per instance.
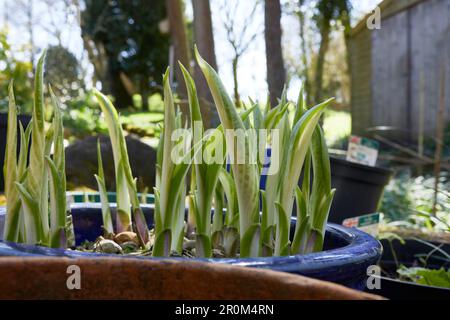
(20, 72)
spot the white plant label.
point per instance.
(362, 151)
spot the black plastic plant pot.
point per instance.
(410, 251)
(359, 188)
(408, 254)
(395, 289)
(3, 130)
(347, 252)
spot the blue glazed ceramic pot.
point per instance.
(346, 256)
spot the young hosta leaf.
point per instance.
(177, 179)
(306, 183)
(298, 147)
(167, 165)
(58, 212)
(268, 231)
(23, 153)
(282, 233)
(36, 182)
(44, 202)
(69, 232)
(141, 227)
(157, 214)
(274, 116)
(203, 246)
(126, 184)
(218, 209)
(268, 241)
(161, 247)
(116, 136)
(250, 242)
(321, 187)
(159, 158)
(32, 218)
(173, 171)
(229, 188)
(302, 231)
(246, 175)
(206, 174)
(106, 210)
(57, 205)
(58, 135)
(21, 175)
(10, 172)
(178, 225)
(276, 179)
(230, 241)
(321, 193)
(301, 105)
(314, 242)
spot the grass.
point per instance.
(337, 126)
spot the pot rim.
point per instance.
(362, 249)
(375, 169)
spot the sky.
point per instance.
(252, 67)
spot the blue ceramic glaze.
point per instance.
(346, 256)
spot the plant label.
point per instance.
(363, 151)
(368, 223)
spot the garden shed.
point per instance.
(398, 71)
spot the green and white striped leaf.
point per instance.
(10, 172)
(106, 210)
(36, 183)
(246, 175)
(58, 211)
(116, 136)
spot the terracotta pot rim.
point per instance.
(125, 276)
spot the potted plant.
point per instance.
(414, 269)
(363, 185)
(222, 222)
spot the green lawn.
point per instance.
(337, 126)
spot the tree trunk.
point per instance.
(122, 98)
(306, 80)
(345, 20)
(180, 43)
(237, 99)
(324, 45)
(276, 74)
(204, 39)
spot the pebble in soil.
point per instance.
(128, 243)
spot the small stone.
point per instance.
(107, 246)
(129, 247)
(217, 253)
(126, 236)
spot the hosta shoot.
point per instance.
(36, 189)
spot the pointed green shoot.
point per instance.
(116, 135)
(100, 178)
(11, 228)
(246, 175)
